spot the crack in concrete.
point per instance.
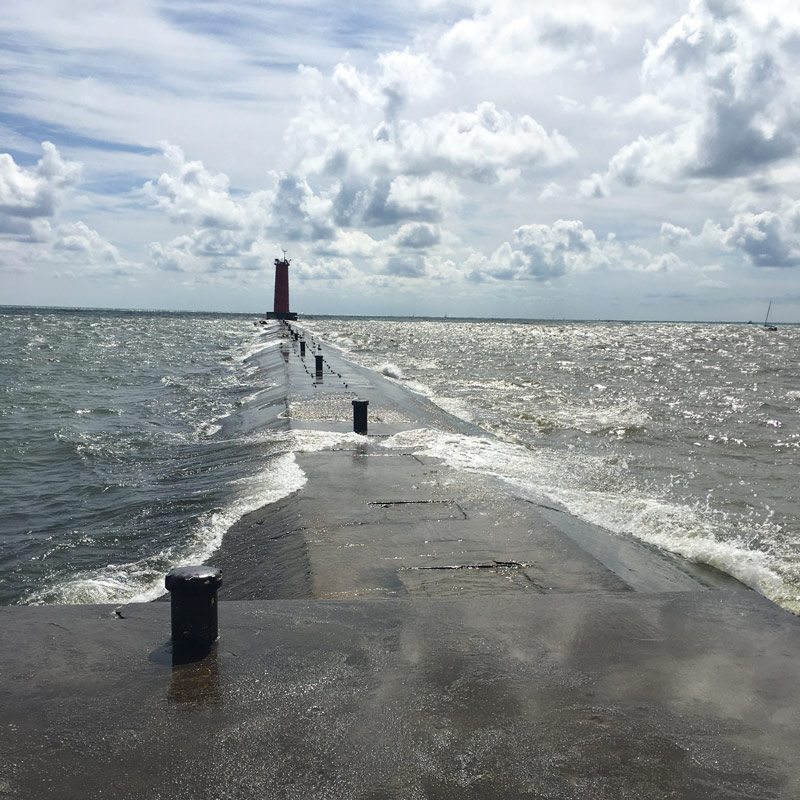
(543, 505)
(389, 503)
(493, 565)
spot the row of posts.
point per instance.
(317, 356)
(359, 406)
(193, 590)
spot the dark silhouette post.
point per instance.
(193, 596)
(360, 416)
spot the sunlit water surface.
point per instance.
(686, 436)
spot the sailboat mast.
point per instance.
(766, 319)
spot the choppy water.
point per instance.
(115, 463)
(687, 436)
(112, 468)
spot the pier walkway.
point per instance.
(399, 629)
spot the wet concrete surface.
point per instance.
(397, 629)
(544, 696)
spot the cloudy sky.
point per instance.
(580, 159)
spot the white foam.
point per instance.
(207, 430)
(258, 347)
(142, 581)
(281, 477)
(596, 490)
(391, 371)
(306, 441)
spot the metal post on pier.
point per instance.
(318, 360)
(193, 599)
(360, 416)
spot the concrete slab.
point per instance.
(371, 522)
(570, 696)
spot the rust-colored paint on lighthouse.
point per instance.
(281, 306)
(281, 286)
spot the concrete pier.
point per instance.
(399, 629)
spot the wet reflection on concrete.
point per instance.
(194, 676)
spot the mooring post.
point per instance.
(360, 416)
(302, 348)
(193, 598)
(318, 359)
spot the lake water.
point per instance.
(117, 463)
(684, 435)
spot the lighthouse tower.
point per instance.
(281, 309)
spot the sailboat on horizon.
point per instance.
(766, 326)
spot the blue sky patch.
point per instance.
(40, 130)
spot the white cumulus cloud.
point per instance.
(727, 69)
(90, 253)
(768, 239)
(548, 252)
(190, 193)
(30, 197)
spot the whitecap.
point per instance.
(593, 489)
(143, 580)
(391, 371)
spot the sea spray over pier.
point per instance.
(686, 436)
(117, 460)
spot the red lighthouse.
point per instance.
(281, 310)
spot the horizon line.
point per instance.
(106, 309)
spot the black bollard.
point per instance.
(360, 416)
(193, 597)
(302, 348)
(318, 359)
